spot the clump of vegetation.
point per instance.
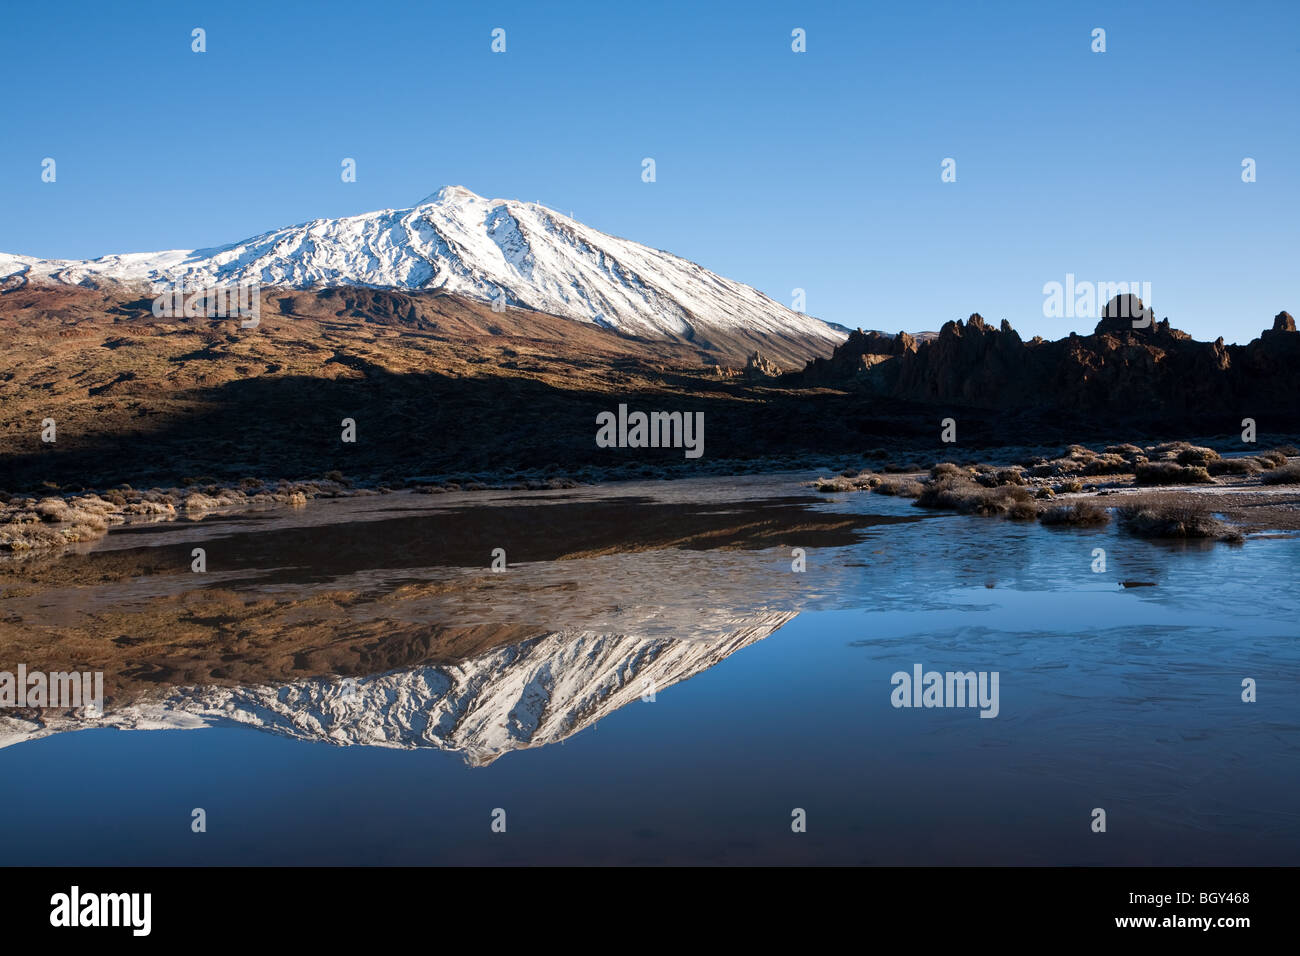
(1109, 464)
(835, 484)
(1167, 451)
(1175, 519)
(1022, 509)
(946, 469)
(1196, 455)
(996, 477)
(859, 481)
(1233, 466)
(1271, 459)
(1171, 473)
(1080, 460)
(1081, 513)
(899, 487)
(27, 524)
(946, 492)
(1288, 474)
(1124, 451)
(967, 497)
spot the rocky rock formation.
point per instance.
(1149, 371)
(758, 367)
(1282, 322)
(861, 352)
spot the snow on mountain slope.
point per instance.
(527, 695)
(460, 242)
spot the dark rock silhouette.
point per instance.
(1147, 371)
(1126, 313)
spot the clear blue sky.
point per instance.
(818, 170)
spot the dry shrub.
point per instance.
(1022, 510)
(1233, 466)
(946, 469)
(1271, 459)
(1124, 451)
(1196, 455)
(1288, 474)
(1168, 451)
(899, 487)
(1108, 464)
(838, 483)
(1171, 473)
(1082, 513)
(967, 497)
(1175, 519)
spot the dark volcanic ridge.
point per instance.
(1151, 373)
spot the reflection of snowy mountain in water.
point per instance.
(527, 695)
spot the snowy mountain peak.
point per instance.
(451, 194)
(486, 249)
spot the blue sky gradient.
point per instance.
(818, 170)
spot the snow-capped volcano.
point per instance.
(459, 242)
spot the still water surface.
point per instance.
(650, 682)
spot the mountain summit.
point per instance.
(486, 249)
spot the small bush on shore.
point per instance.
(1083, 513)
(997, 477)
(1271, 459)
(1168, 451)
(1022, 510)
(1196, 455)
(899, 487)
(1171, 473)
(1288, 474)
(1108, 464)
(858, 481)
(1124, 451)
(836, 483)
(1233, 466)
(1175, 519)
(967, 497)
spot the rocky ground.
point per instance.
(1172, 489)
